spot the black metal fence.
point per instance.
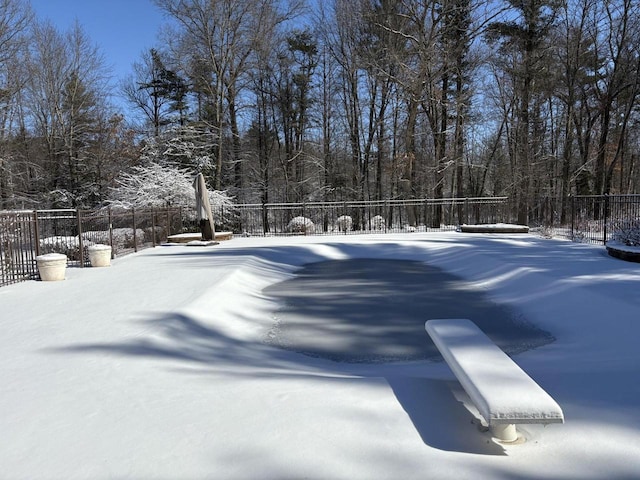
(587, 219)
(27, 234)
(18, 246)
(323, 218)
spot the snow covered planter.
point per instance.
(51, 266)
(625, 241)
(344, 223)
(300, 225)
(377, 223)
(99, 255)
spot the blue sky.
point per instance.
(122, 29)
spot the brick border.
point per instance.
(494, 229)
(623, 254)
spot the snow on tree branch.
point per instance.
(170, 163)
(156, 185)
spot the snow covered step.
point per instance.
(197, 236)
(501, 391)
(494, 228)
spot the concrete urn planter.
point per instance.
(51, 266)
(99, 255)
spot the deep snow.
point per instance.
(156, 367)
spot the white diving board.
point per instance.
(501, 391)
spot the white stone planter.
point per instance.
(51, 266)
(99, 255)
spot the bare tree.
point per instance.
(522, 41)
(65, 99)
(156, 91)
(215, 41)
(616, 35)
(15, 18)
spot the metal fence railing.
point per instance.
(590, 219)
(17, 246)
(27, 234)
(321, 218)
(586, 218)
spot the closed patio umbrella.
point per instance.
(203, 209)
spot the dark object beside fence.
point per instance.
(623, 254)
(494, 229)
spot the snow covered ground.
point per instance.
(157, 368)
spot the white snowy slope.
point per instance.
(157, 368)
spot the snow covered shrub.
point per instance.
(93, 237)
(300, 225)
(546, 231)
(123, 238)
(344, 223)
(377, 223)
(578, 236)
(155, 234)
(627, 233)
(68, 245)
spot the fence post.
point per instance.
(111, 233)
(573, 214)
(80, 243)
(264, 218)
(344, 212)
(153, 227)
(465, 213)
(133, 220)
(606, 217)
(168, 229)
(36, 232)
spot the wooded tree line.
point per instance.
(290, 101)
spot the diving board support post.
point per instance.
(505, 432)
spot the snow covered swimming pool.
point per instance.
(373, 311)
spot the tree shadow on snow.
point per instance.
(440, 419)
(177, 336)
(373, 311)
